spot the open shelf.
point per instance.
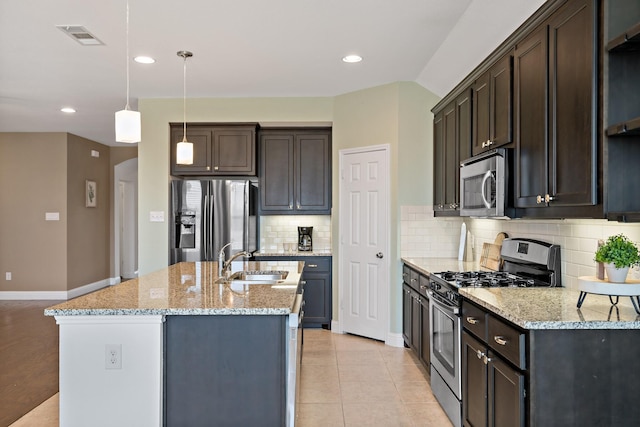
(628, 41)
(626, 128)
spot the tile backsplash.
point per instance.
(422, 235)
(278, 229)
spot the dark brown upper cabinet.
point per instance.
(555, 111)
(492, 107)
(224, 150)
(295, 171)
(622, 136)
(452, 143)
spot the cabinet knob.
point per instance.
(479, 354)
(548, 198)
(500, 340)
(208, 168)
(472, 320)
(215, 168)
(538, 199)
(486, 359)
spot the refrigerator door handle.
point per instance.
(205, 228)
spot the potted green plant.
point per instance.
(618, 254)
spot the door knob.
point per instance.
(379, 255)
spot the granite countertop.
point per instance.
(554, 308)
(190, 288)
(538, 308)
(434, 265)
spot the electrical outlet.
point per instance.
(113, 356)
(7, 275)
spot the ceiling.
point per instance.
(242, 48)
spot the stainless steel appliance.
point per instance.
(294, 358)
(208, 214)
(484, 185)
(527, 263)
(304, 238)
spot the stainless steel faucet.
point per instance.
(223, 266)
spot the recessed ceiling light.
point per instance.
(144, 59)
(352, 58)
(68, 110)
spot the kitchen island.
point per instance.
(182, 346)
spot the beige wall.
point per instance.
(88, 230)
(46, 172)
(33, 181)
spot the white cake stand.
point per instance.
(593, 285)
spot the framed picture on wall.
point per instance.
(91, 194)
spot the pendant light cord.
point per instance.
(127, 62)
(184, 100)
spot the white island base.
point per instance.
(92, 394)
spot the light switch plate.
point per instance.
(52, 216)
(156, 216)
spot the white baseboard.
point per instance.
(394, 340)
(335, 327)
(57, 295)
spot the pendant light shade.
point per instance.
(128, 127)
(184, 153)
(184, 149)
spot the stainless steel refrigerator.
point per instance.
(208, 214)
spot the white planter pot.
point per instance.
(616, 275)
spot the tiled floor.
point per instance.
(345, 381)
(352, 381)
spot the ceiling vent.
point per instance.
(80, 34)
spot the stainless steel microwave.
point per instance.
(484, 185)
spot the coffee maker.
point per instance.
(304, 238)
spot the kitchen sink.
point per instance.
(260, 276)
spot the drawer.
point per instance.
(474, 319)
(317, 265)
(406, 274)
(423, 287)
(414, 279)
(507, 341)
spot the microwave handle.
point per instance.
(487, 202)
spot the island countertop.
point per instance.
(191, 288)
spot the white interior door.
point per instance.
(364, 241)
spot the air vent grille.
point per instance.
(80, 34)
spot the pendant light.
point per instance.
(128, 121)
(184, 150)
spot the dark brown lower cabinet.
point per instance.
(425, 332)
(492, 391)
(415, 314)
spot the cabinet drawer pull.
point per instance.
(215, 168)
(413, 280)
(423, 287)
(208, 168)
(500, 340)
(404, 274)
(472, 320)
(313, 265)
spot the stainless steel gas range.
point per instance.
(526, 263)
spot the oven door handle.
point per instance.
(440, 302)
(489, 175)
